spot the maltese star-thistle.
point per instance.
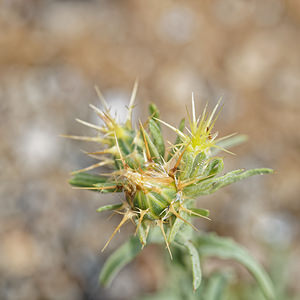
(160, 187)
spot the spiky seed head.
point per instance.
(159, 187)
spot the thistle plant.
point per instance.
(160, 186)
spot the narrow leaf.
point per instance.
(148, 143)
(86, 180)
(109, 207)
(121, 257)
(107, 187)
(198, 165)
(187, 168)
(194, 255)
(215, 166)
(154, 113)
(209, 186)
(177, 226)
(174, 230)
(199, 211)
(157, 137)
(142, 232)
(216, 285)
(212, 245)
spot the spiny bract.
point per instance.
(159, 187)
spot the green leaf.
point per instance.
(152, 148)
(143, 232)
(212, 245)
(126, 147)
(108, 187)
(187, 168)
(155, 236)
(86, 180)
(157, 137)
(229, 143)
(154, 113)
(176, 227)
(121, 257)
(198, 165)
(214, 167)
(109, 207)
(194, 255)
(209, 186)
(215, 287)
(199, 211)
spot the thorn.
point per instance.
(97, 165)
(203, 116)
(83, 138)
(102, 158)
(111, 215)
(132, 99)
(146, 143)
(115, 211)
(95, 188)
(146, 234)
(171, 127)
(91, 125)
(101, 97)
(173, 170)
(161, 226)
(111, 150)
(223, 149)
(142, 214)
(186, 183)
(214, 111)
(193, 109)
(193, 213)
(103, 116)
(120, 153)
(226, 137)
(174, 212)
(97, 110)
(189, 118)
(128, 215)
(189, 131)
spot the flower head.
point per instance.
(160, 187)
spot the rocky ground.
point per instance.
(52, 53)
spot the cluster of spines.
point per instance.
(157, 191)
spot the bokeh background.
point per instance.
(52, 53)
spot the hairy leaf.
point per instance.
(212, 245)
(154, 113)
(121, 257)
(199, 211)
(214, 167)
(157, 137)
(86, 180)
(194, 255)
(215, 288)
(209, 186)
(109, 207)
(176, 227)
(150, 145)
(142, 232)
(198, 165)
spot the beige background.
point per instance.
(52, 53)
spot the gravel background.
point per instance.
(52, 53)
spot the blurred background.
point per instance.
(52, 53)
